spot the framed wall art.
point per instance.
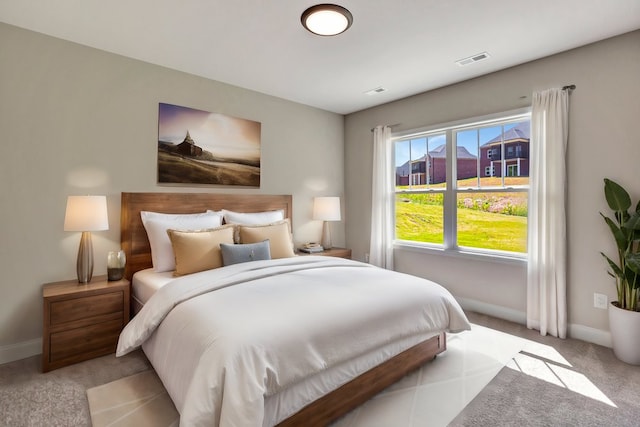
(198, 147)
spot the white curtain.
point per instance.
(382, 199)
(547, 265)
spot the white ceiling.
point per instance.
(405, 46)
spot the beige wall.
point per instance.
(604, 142)
(76, 120)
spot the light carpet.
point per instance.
(431, 396)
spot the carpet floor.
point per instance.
(552, 382)
(555, 382)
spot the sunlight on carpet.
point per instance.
(545, 363)
(431, 396)
(436, 393)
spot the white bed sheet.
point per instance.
(146, 282)
(187, 327)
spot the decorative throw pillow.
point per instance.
(278, 234)
(235, 254)
(199, 250)
(156, 224)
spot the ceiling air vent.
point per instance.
(375, 91)
(471, 59)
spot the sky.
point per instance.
(221, 135)
(470, 139)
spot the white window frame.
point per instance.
(450, 192)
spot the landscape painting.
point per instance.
(198, 147)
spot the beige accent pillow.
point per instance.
(199, 250)
(156, 225)
(278, 233)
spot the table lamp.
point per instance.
(326, 209)
(86, 214)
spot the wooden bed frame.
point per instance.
(329, 407)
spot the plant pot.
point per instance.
(625, 333)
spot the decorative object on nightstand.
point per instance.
(335, 252)
(81, 322)
(116, 261)
(86, 214)
(326, 209)
(311, 248)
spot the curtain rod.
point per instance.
(567, 87)
(395, 124)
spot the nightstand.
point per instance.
(82, 321)
(337, 252)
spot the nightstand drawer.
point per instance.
(81, 308)
(82, 321)
(98, 338)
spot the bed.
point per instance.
(310, 384)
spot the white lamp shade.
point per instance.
(86, 213)
(326, 208)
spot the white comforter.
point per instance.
(224, 339)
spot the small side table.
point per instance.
(82, 321)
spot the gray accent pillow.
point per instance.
(235, 254)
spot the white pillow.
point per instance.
(252, 218)
(157, 225)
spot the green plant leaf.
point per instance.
(632, 261)
(633, 223)
(631, 279)
(617, 197)
(616, 269)
(618, 234)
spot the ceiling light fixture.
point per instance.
(326, 19)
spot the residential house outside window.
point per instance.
(465, 187)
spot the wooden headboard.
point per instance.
(133, 236)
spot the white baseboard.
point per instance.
(493, 310)
(580, 332)
(586, 333)
(21, 350)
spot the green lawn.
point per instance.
(417, 221)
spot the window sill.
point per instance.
(499, 257)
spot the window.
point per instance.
(464, 195)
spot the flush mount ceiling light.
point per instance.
(326, 19)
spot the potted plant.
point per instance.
(624, 316)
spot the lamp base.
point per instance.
(84, 266)
(326, 235)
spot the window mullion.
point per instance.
(450, 216)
